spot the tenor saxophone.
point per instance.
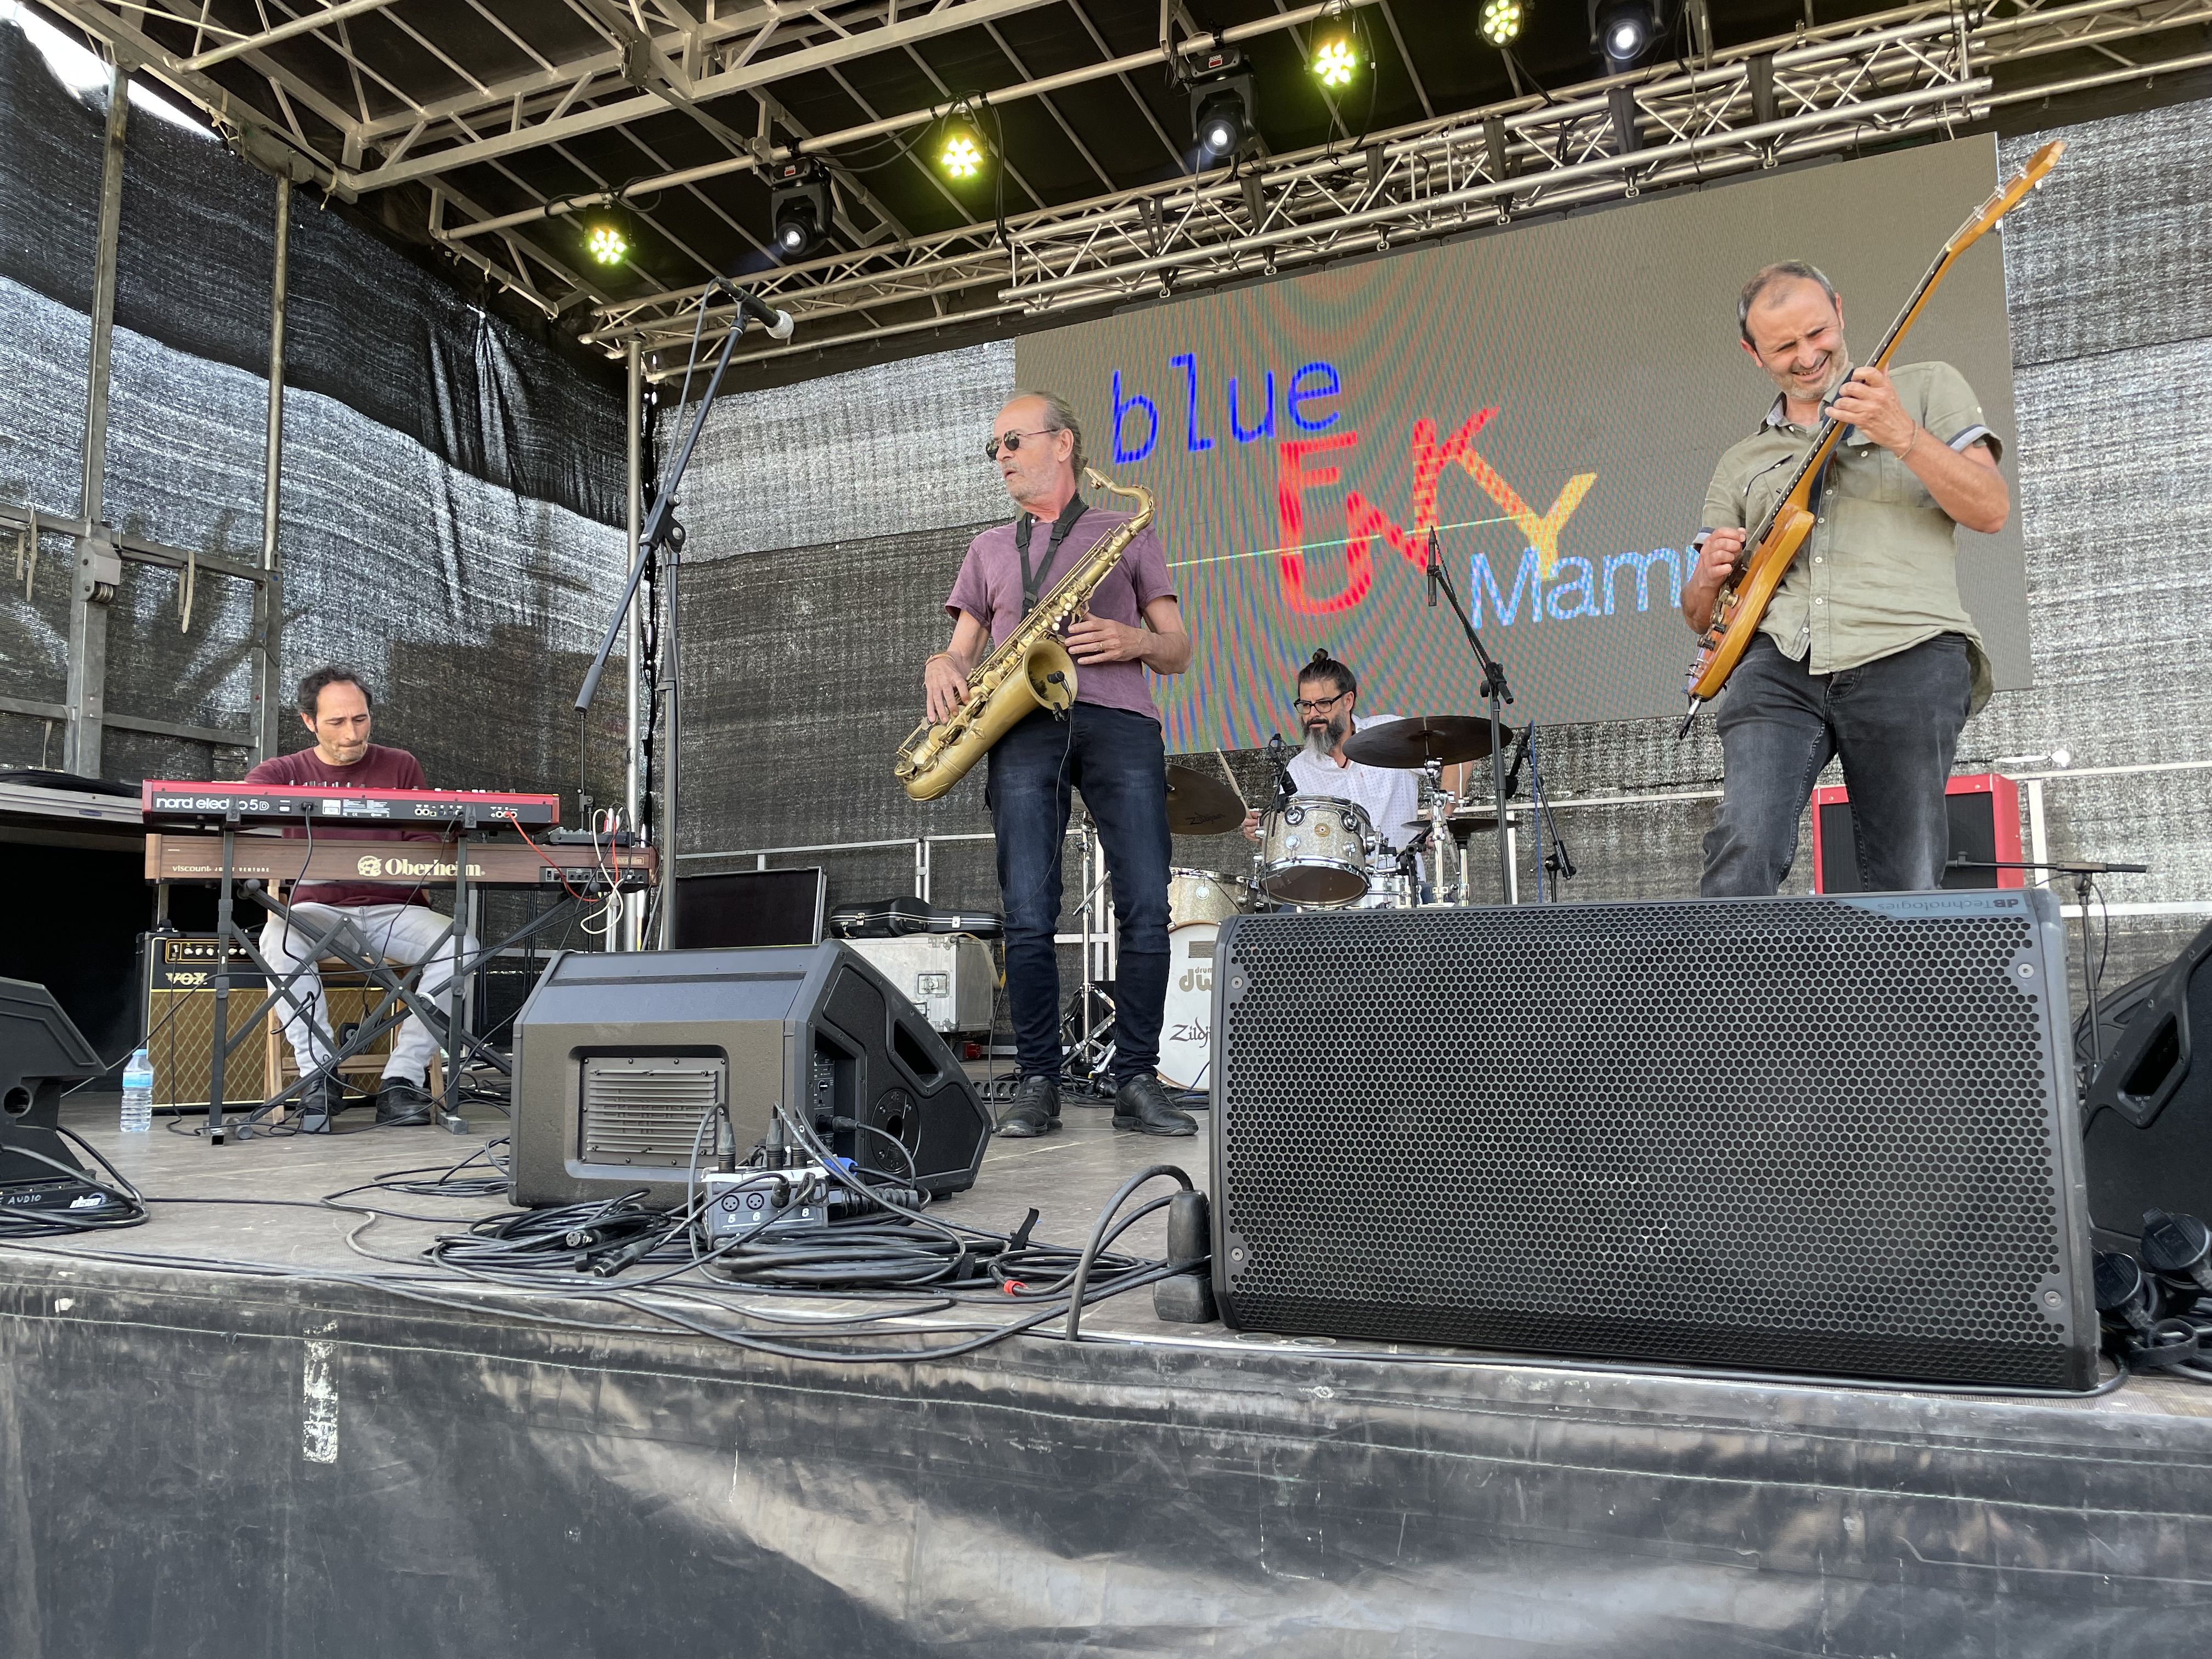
(1031, 671)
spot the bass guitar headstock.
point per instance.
(2006, 196)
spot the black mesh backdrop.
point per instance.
(2112, 346)
(451, 488)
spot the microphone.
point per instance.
(1513, 772)
(777, 323)
(1278, 761)
(1436, 569)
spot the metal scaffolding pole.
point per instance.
(268, 699)
(98, 567)
(633, 926)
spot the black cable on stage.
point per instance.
(121, 1206)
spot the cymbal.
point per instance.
(1412, 743)
(1199, 804)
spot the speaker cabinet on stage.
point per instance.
(2148, 1135)
(1823, 1135)
(1985, 823)
(40, 1050)
(178, 977)
(620, 1057)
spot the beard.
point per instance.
(1324, 738)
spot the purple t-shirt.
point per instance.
(989, 588)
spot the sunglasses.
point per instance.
(1012, 441)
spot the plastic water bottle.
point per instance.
(138, 1094)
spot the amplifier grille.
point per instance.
(643, 1109)
(1805, 1135)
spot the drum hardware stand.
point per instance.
(1440, 803)
(2085, 874)
(1498, 693)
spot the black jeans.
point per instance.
(1116, 758)
(1894, 721)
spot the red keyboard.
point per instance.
(175, 801)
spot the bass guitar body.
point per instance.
(1736, 616)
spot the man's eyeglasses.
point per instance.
(1012, 441)
(1306, 706)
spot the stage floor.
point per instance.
(199, 1457)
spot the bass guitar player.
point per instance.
(1865, 651)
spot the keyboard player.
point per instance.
(335, 705)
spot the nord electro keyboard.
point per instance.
(338, 858)
(183, 802)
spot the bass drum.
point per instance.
(1187, 1032)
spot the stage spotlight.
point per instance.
(800, 192)
(962, 154)
(606, 239)
(1335, 62)
(1624, 30)
(1222, 101)
(1502, 20)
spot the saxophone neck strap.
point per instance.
(1032, 579)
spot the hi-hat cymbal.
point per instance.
(1202, 805)
(1408, 743)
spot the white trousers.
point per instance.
(403, 932)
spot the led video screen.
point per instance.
(1551, 398)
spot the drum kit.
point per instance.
(1313, 853)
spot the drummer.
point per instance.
(1327, 703)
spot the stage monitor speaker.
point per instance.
(619, 1057)
(41, 1052)
(2147, 1136)
(1821, 1135)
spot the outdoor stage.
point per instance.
(282, 1457)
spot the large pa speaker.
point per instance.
(620, 1057)
(1824, 1135)
(2148, 1136)
(41, 1051)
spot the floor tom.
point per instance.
(1204, 895)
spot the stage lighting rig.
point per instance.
(1503, 21)
(606, 233)
(801, 193)
(1222, 102)
(1336, 60)
(1623, 30)
(962, 154)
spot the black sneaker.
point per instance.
(1035, 1109)
(401, 1104)
(320, 1101)
(1142, 1105)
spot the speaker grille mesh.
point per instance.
(1802, 1135)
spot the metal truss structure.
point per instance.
(1915, 69)
(1933, 66)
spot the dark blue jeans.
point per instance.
(1895, 723)
(1116, 758)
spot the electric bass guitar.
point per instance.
(1771, 549)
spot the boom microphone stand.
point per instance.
(2085, 881)
(659, 529)
(1495, 689)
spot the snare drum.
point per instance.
(1187, 1027)
(1313, 850)
(1203, 896)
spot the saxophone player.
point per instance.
(1109, 747)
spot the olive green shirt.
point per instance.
(1879, 571)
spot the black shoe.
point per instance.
(1141, 1104)
(1035, 1110)
(401, 1104)
(319, 1102)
